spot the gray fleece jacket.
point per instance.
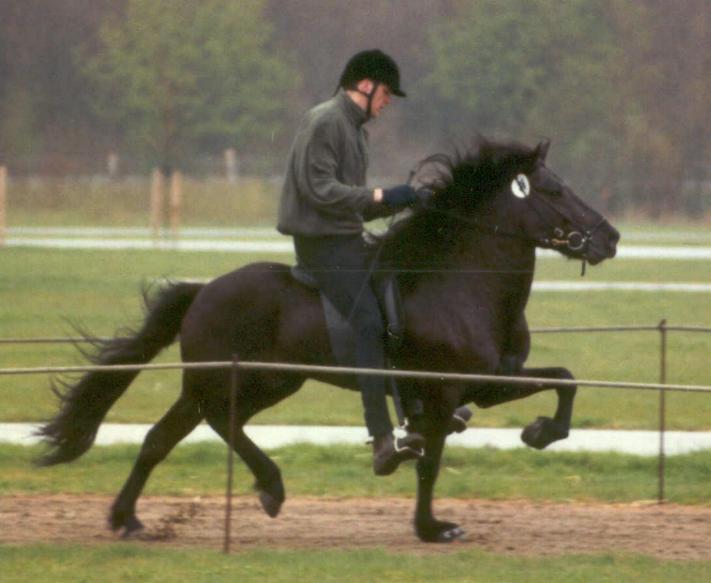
(324, 189)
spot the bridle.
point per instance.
(577, 239)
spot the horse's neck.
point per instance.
(502, 260)
(496, 272)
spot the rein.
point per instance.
(576, 240)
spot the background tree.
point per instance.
(623, 88)
(666, 50)
(528, 70)
(176, 76)
(43, 102)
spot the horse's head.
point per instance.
(507, 190)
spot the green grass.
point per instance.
(40, 290)
(131, 562)
(308, 470)
(98, 202)
(128, 562)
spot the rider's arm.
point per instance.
(330, 171)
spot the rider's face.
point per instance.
(380, 100)
(381, 97)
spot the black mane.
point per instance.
(463, 184)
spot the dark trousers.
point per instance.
(341, 266)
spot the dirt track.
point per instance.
(670, 532)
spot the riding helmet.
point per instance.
(372, 64)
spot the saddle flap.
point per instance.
(340, 331)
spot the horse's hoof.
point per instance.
(542, 432)
(441, 532)
(271, 505)
(127, 522)
(451, 535)
(458, 422)
(131, 527)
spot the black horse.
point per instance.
(465, 265)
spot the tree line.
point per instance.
(622, 88)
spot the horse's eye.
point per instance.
(520, 186)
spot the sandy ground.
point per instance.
(516, 527)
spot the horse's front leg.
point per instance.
(434, 427)
(544, 430)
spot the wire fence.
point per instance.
(235, 366)
(550, 330)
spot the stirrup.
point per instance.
(414, 445)
(402, 449)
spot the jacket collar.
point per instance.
(352, 110)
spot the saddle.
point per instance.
(341, 333)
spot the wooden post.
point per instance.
(662, 411)
(231, 430)
(157, 181)
(3, 205)
(176, 196)
(231, 164)
(112, 165)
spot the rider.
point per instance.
(324, 203)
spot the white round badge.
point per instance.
(520, 186)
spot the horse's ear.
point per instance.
(542, 149)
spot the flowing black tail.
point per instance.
(86, 402)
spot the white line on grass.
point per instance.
(284, 245)
(571, 286)
(272, 436)
(637, 286)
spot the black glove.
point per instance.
(424, 196)
(400, 196)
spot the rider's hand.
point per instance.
(424, 196)
(400, 196)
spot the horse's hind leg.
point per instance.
(254, 396)
(544, 430)
(177, 423)
(268, 483)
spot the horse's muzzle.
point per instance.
(602, 243)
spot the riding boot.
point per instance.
(389, 452)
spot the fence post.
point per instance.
(112, 165)
(230, 454)
(662, 407)
(3, 205)
(231, 165)
(157, 180)
(176, 198)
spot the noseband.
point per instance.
(576, 240)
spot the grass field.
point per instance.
(199, 469)
(130, 562)
(41, 291)
(99, 202)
